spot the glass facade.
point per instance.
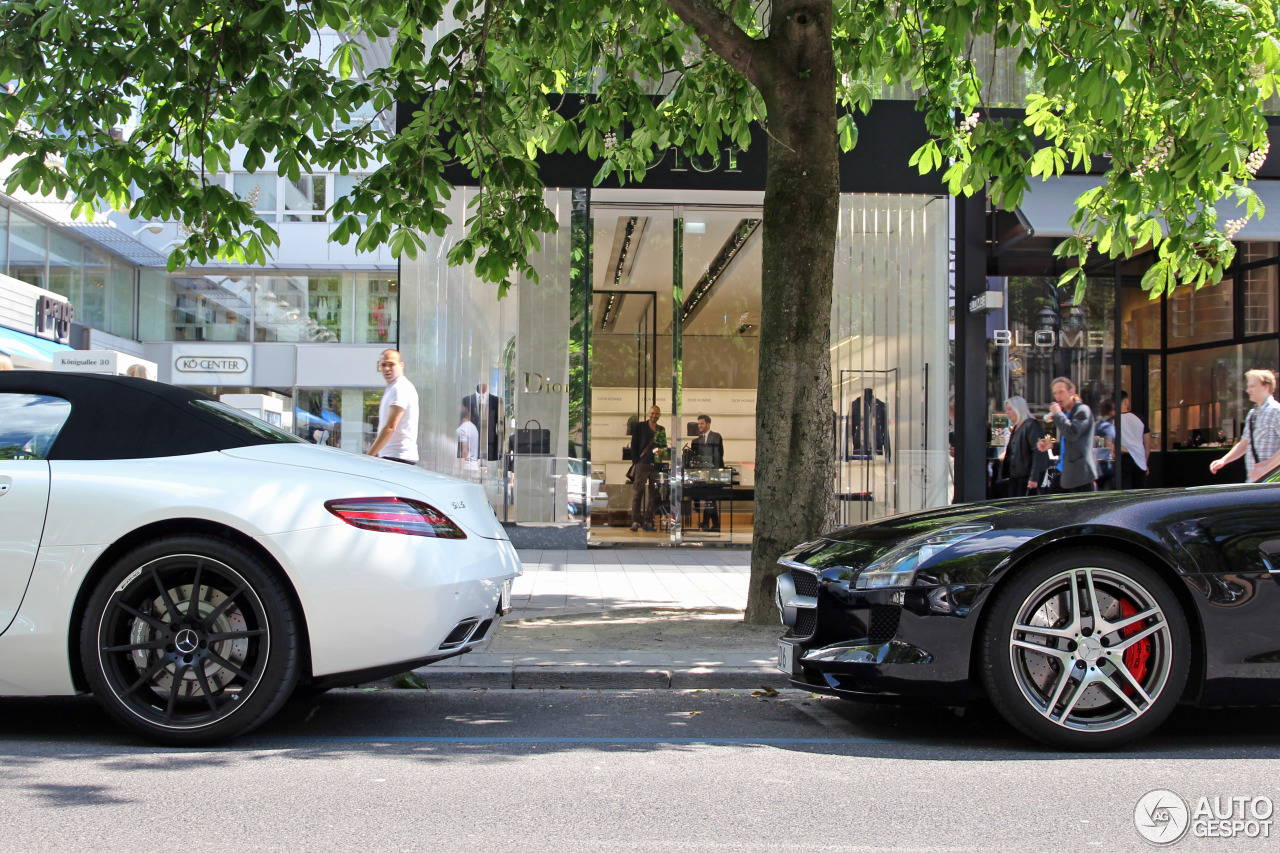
(1041, 334)
(310, 307)
(890, 358)
(502, 365)
(1182, 358)
(28, 250)
(642, 304)
(99, 285)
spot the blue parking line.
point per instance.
(673, 741)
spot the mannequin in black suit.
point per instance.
(486, 414)
(708, 452)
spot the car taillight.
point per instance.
(395, 515)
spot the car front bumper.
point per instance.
(891, 645)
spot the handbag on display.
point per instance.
(533, 441)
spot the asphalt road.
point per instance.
(609, 771)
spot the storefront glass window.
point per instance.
(305, 194)
(259, 190)
(1201, 316)
(302, 308)
(121, 300)
(344, 184)
(889, 356)
(28, 250)
(346, 418)
(1155, 393)
(64, 275)
(1043, 334)
(279, 309)
(91, 310)
(1260, 289)
(329, 308)
(377, 317)
(213, 307)
(4, 238)
(1207, 403)
(1139, 318)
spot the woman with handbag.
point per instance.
(1024, 464)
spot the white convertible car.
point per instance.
(192, 566)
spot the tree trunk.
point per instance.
(794, 465)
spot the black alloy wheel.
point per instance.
(190, 640)
(1088, 649)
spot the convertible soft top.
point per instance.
(123, 417)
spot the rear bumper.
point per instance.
(374, 601)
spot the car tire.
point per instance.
(190, 640)
(1087, 670)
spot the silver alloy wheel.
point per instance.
(1091, 649)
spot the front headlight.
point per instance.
(898, 567)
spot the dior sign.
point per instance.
(536, 383)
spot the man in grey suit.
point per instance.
(1074, 420)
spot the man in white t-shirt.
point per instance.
(397, 437)
(468, 437)
(1133, 456)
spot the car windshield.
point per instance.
(260, 428)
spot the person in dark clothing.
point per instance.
(486, 414)
(708, 452)
(1024, 463)
(1074, 420)
(643, 440)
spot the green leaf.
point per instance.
(847, 130)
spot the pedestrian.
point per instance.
(1024, 463)
(1133, 447)
(644, 497)
(707, 451)
(1260, 441)
(1074, 420)
(397, 437)
(468, 436)
(1104, 428)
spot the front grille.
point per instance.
(806, 583)
(806, 622)
(884, 623)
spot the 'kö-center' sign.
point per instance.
(218, 364)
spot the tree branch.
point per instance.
(717, 29)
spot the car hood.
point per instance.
(463, 502)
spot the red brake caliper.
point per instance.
(1135, 657)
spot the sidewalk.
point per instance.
(624, 619)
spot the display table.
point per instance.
(691, 492)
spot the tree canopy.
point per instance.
(137, 105)
(1169, 91)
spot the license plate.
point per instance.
(787, 655)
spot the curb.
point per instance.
(603, 678)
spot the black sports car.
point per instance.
(1084, 618)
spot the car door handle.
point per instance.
(5, 483)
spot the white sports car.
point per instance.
(191, 565)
